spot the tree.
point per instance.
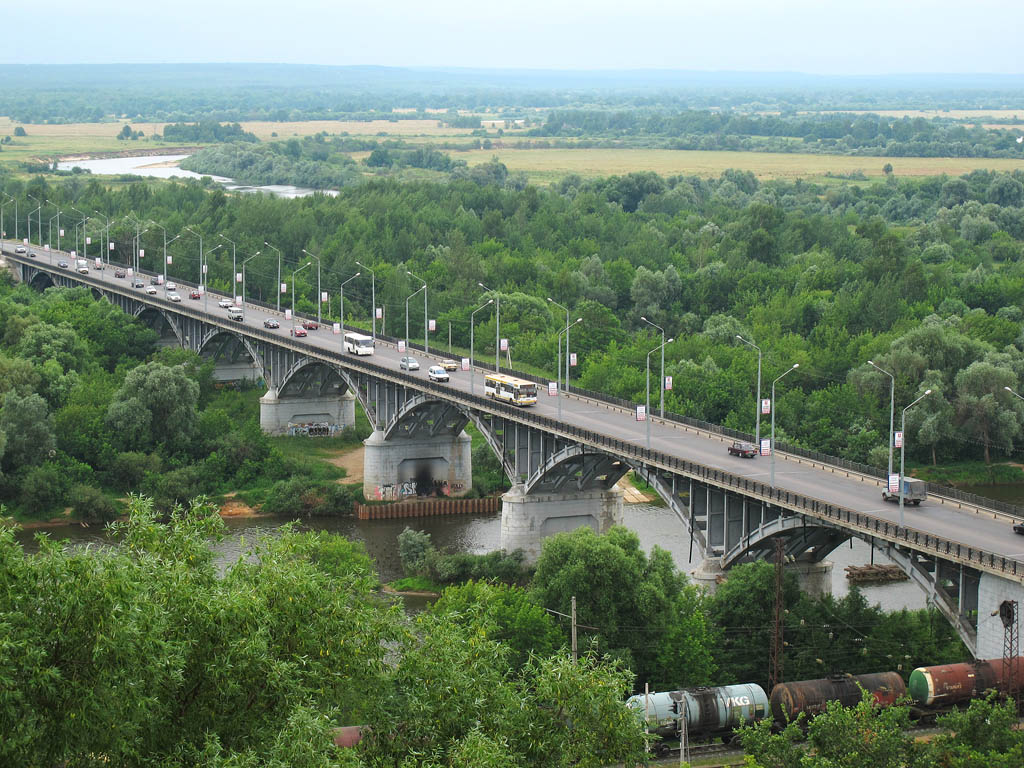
(887, 169)
(29, 428)
(156, 405)
(984, 410)
(19, 131)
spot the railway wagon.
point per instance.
(948, 684)
(706, 711)
(811, 697)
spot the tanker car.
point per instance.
(716, 712)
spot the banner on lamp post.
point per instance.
(504, 345)
(897, 439)
(46, 247)
(552, 389)
(130, 271)
(894, 483)
(160, 281)
(238, 277)
(287, 314)
(465, 363)
(323, 296)
(641, 413)
(401, 346)
(205, 268)
(380, 313)
(431, 325)
(572, 359)
(238, 301)
(142, 252)
(766, 406)
(766, 447)
(61, 232)
(110, 245)
(170, 259)
(668, 382)
(88, 241)
(284, 287)
(99, 262)
(337, 328)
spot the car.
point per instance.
(449, 365)
(271, 323)
(298, 330)
(1018, 528)
(195, 295)
(171, 286)
(409, 364)
(32, 254)
(437, 373)
(225, 303)
(20, 249)
(119, 273)
(173, 297)
(62, 264)
(100, 266)
(138, 282)
(154, 280)
(310, 325)
(743, 449)
(151, 290)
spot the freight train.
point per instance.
(717, 712)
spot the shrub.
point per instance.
(90, 504)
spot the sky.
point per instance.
(857, 37)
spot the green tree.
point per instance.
(19, 131)
(156, 405)
(29, 428)
(984, 410)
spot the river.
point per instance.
(166, 167)
(479, 534)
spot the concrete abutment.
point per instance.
(405, 467)
(527, 519)
(276, 413)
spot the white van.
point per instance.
(236, 313)
(83, 266)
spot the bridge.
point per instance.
(563, 463)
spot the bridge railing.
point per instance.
(786, 447)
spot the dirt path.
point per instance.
(351, 461)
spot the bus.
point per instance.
(510, 389)
(358, 344)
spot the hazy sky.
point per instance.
(812, 36)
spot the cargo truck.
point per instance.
(914, 492)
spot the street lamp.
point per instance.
(497, 327)
(319, 295)
(566, 344)
(903, 444)
(154, 224)
(244, 262)
(892, 411)
(566, 332)
(202, 279)
(647, 412)
(471, 319)
(426, 345)
(40, 228)
(421, 288)
(278, 291)
(3, 232)
(294, 273)
(757, 404)
(373, 301)
(341, 309)
(205, 270)
(662, 388)
(84, 218)
(49, 224)
(106, 234)
(136, 242)
(234, 266)
(771, 481)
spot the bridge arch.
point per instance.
(41, 280)
(426, 416)
(576, 468)
(161, 322)
(226, 348)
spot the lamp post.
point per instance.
(471, 319)
(373, 301)
(84, 217)
(892, 411)
(154, 224)
(771, 480)
(3, 232)
(757, 404)
(106, 234)
(662, 387)
(233, 281)
(201, 277)
(49, 224)
(647, 412)
(244, 262)
(566, 329)
(903, 444)
(319, 303)
(294, 273)
(205, 270)
(426, 344)
(136, 242)
(497, 327)
(39, 208)
(421, 288)
(278, 291)
(341, 309)
(566, 332)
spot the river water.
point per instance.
(479, 534)
(165, 167)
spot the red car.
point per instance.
(310, 325)
(298, 330)
(195, 295)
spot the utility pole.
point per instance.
(1011, 650)
(775, 663)
(574, 627)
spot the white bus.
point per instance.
(510, 389)
(358, 344)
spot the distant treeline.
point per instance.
(279, 162)
(825, 133)
(207, 131)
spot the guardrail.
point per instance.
(862, 522)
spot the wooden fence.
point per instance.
(428, 508)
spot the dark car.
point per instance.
(138, 282)
(62, 264)
(271, 323)
(32, 254)
(119, 273)
(310, 325)
(1018, 528)
(742, 449)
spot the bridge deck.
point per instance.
(978, 528)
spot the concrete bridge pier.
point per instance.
(421, 465)
(526, 519)
(814, 578)
(237, 370)
(277, 412)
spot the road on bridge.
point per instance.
(951, 520)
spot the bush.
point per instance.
(44, 490)
(91, 505)
(129, 468)
(414, 548)
(494, 566)
(303, 497)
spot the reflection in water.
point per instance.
(654, 525)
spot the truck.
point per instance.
(82, 266)
(914, 492)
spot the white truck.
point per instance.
(914, 492)
(83, 266)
